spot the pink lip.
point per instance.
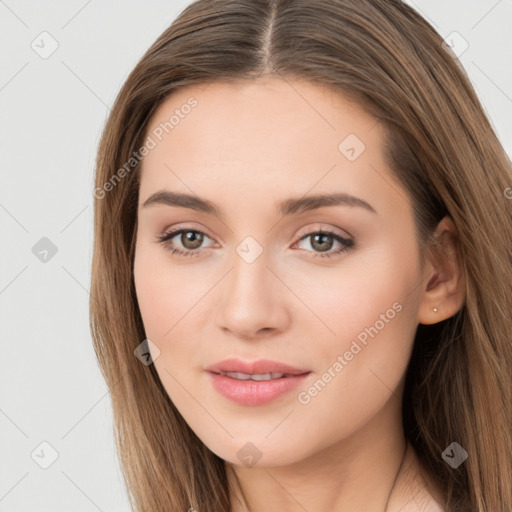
(251, 392)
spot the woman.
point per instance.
(301, 274)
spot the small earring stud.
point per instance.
(435, 310)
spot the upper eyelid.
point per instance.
(322, 227)
(179, 229)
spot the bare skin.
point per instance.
(246, 147)
(409, 493)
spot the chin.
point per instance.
(257, 452)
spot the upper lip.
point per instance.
(260, 366)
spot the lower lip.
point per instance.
(253, 392)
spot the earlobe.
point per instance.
(444, 292)
(431, 317)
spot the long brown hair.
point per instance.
(444, 151)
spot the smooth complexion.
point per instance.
(246, 148)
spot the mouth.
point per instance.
(254, 383)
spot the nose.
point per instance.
(253, 301)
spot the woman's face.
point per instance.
(253, 279)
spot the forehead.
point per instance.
(251, 137)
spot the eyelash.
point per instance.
(347, 243)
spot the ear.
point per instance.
(444, 275)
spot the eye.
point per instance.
(323, 241)
(190, 240)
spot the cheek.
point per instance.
(365, 290)
(370, 312)
(166, 297)
(155, 303)
(165, 292)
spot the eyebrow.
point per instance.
(287, 207)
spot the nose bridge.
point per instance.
(250, 275)
(250, 299)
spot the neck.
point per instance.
(357, 473)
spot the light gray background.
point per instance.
(53, 111)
